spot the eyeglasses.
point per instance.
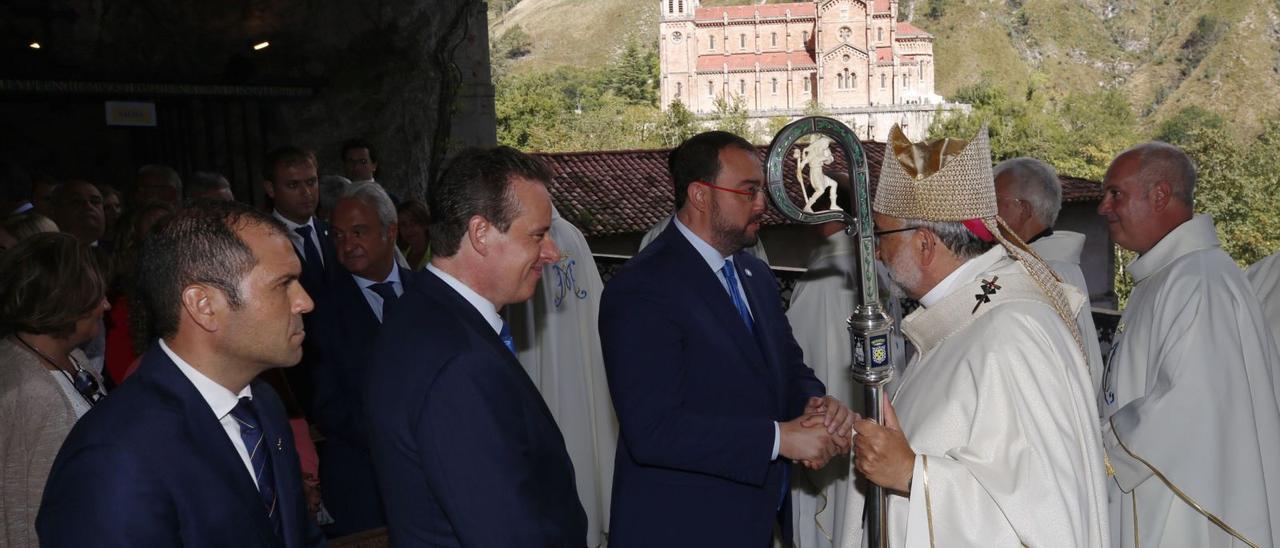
(880, 233)
(752, 192)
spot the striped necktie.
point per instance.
(731, 276)
(260, 458)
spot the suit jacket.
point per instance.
(151, 466)
(317, 280)
(344, 331)
(697, 393)
(464, 448)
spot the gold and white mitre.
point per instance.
(951, 180)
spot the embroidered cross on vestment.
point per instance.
(989, 288)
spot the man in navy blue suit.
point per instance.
(192, 451)
(290, 180)
(464, 448)
(712, 395)
(361, 296)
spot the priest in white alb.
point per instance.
(821, 302)
(1265, 277)
(992, 438)
(558, 344)
(1188, 403)
(1029, 197)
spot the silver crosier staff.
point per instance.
(869, 326)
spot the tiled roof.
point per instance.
(884, 54)
(906, 29)
(798, 9)
(714, 63)
(628, 191)
(880, 6)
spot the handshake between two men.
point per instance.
(826, 429)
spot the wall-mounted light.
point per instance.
(34, 45)
(261, 46)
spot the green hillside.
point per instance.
(1163, 55)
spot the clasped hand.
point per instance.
(822, 431)
(881, 452)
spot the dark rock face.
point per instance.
(411, 77)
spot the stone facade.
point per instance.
(851, 58)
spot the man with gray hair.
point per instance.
(992, 437)
(1190, 419)
(208, 184)
(1029, 196)
(157, 183)
(363, 227)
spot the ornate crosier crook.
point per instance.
(869, 326)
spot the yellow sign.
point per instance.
(126, 113)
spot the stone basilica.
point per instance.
(852, 57)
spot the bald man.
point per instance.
(1029, 196)
(1190, 420)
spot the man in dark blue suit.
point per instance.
(361, 296)
(465, 450)
(712, 395)
(290, 180)
(192, 451)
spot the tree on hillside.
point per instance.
(1177, 129)
(677, 125)
(731, 116)
(634, 75)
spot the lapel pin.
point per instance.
(279, 444)
(747, 271)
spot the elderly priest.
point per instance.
(995, 439)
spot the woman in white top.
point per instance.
(51, 300)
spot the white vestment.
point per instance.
(996, 405)
(756, 250)
(1265, 277)
(558, 343)
(1189, 402)
(1061, 251)
(821, 303)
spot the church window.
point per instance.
(671, 6)
(676, 36)
(845, 33)
(775, 86)
(713, 42)
(773, 38)
(882, 80)
(880, 34)
(853, 80)
(742, 87)
(679, 88)
(681, 6)
(806, 83)
(921, 67)
(845, 58)
(839, 80)
(906, 79)
(804, 37)
(711, 89)
(742, 41)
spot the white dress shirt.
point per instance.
(297, 238)
(374, 299)
(481, 304)
(715, 261)
(221, 401)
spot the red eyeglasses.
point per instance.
(752, 192)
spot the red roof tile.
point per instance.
(906, 29)
(628, 191)
(798, 9)
(714, 63)
(884, 54)
(880, 6)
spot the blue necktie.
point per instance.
(739, 302)
(388, 293)
(309, 251)
(260, 457)
(507, 339)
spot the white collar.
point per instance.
(220, 400)
(481, 304)
(964, 274)
(1194, 234)
(709, 254)
(393, 277)
(311, 222)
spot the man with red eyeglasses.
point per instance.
(711, 391)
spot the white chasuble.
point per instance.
(558, 344)
(997, 407)
(1061, 251)
(821, 304)
(1265, 277)
(1190, 418)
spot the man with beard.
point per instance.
(1190, 419)
(711, 391)
(78, 211)
(992, 438)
